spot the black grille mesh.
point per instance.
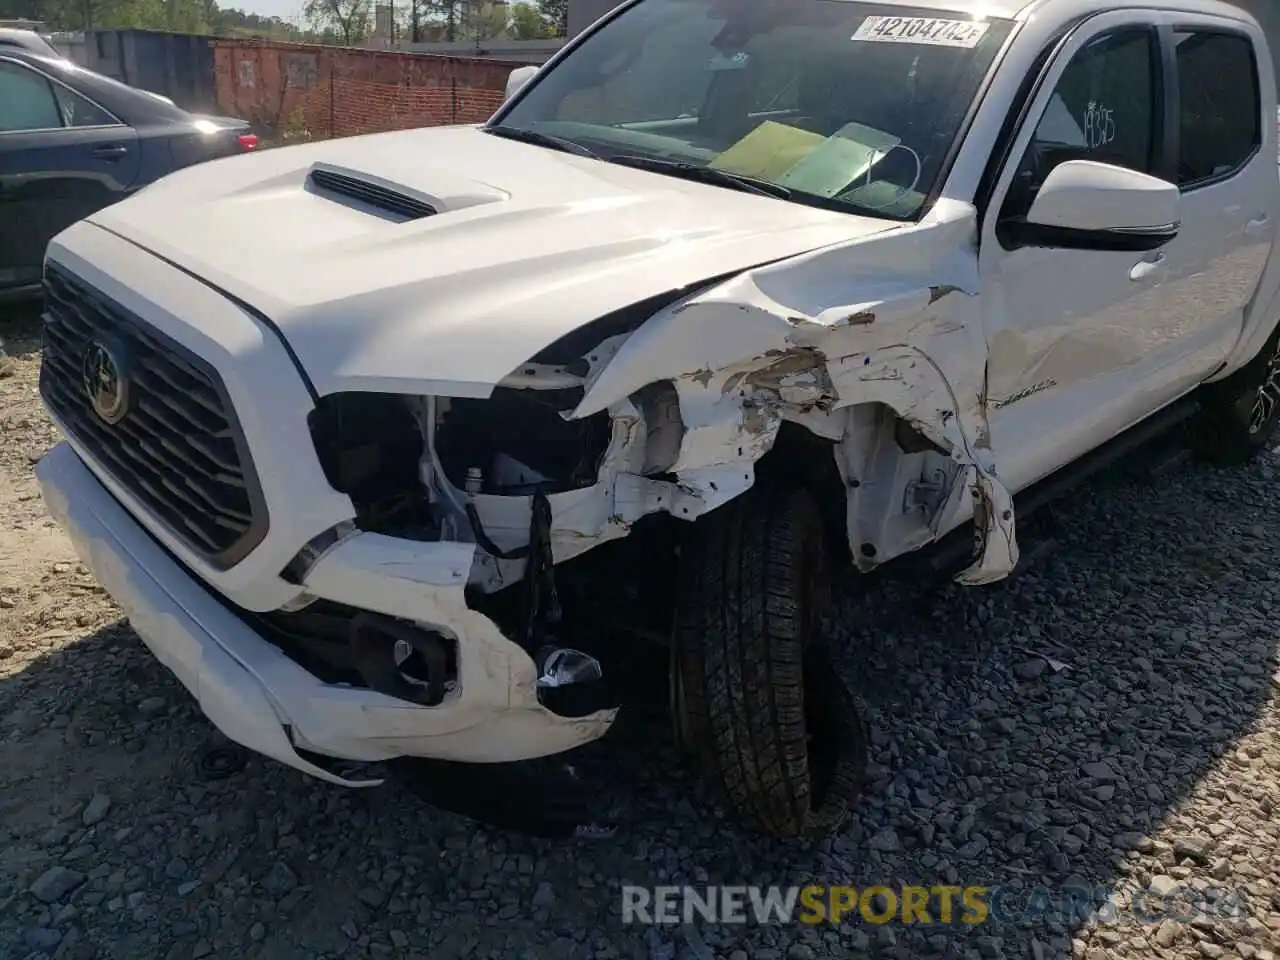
(178, 449)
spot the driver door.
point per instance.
(1079, 340)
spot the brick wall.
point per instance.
(297, 90)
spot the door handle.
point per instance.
(110, 151)
(1146, 269)
(1257, 225)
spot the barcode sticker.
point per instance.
(927, 30)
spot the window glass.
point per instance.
(1219, 113)
(844, 104)
(1104, 108)
(103, 88)
(673, 81)
(26, 100)
(78, 112)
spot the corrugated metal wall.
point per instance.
(583, 13)
(176, 65)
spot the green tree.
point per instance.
(181, 15)
(22, 10)
(485, 22)
(527, 23)
(104, 14)
(555, 14)
(346, 20)
(448, 14)
(188, 16)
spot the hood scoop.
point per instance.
(368, 193)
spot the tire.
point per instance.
(1239, 415)
(755, 695)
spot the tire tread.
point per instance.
(740, 644)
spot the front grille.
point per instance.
(174, 442)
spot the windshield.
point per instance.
(843, 104)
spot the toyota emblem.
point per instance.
(105, 383)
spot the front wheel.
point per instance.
(1239, 414)
(754, 694)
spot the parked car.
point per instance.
(397, 445)
(73, 141)
(28, 40)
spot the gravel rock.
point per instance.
(1167, 933)
(1194, 847)
(279, 880)
(886, 841)
(96, 809)
(544, 896)
(1098, 770)
(55, 883)
(1030, 669)
(41, 938)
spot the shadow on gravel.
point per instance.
(992, 767)
(20, 325)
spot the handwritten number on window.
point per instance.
(1099, 125)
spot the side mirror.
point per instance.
(517, 79)
(1086, 205)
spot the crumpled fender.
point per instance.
(891, 319)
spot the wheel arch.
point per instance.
(801, 458)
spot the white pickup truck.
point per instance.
(389, 446)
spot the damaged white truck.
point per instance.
(367, 436)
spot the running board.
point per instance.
(955, 550)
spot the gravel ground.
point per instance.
(1109, 718)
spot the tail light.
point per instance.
(248, 141)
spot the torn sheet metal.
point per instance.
(887, 321)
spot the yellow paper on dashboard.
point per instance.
(768, 151)
(845, 157)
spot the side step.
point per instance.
(954, 551)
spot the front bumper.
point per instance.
(259, 697)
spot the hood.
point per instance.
(525, 245)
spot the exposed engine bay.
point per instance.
(897, 449)
(577, 449)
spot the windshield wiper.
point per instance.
(701, 174)
(539, 139)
